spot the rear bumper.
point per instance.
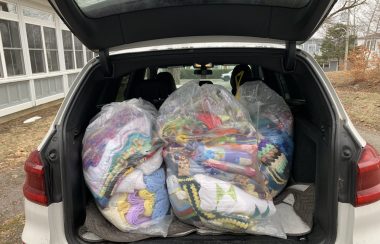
(43, 224)
(367, 224)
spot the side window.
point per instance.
(122, 87)
(10, 36)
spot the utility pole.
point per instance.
(347, 37)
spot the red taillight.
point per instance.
(34, 186)
(368, 178)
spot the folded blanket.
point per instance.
(273, 120)
(122, 158)
(212, 156)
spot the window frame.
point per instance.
(74, 50)
(50, 49)
(45, 70)
(13, 18)
(79, 50)
(42, 24)
(71, 50)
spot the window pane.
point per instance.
(78, 45)
(69, 59)
(79, 58)
(36, 52)
(35, 13)
(52, 58)
(50, 38)
(34, 36)
(89, 54)
(67, 42)
(51, 49)
(78, 52)
(37, 61)
(14, 61)
(10, 33)
(8, 7)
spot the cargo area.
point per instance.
(137, 75)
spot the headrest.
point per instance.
(167, 79)
(153, 90)
(239, 76)
(202, 82)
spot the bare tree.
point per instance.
(347, 4)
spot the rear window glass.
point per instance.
(101, 8)
(221, 75)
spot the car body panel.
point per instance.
(367, 225)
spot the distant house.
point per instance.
(313, 46)
(372, 42)
(39, 56)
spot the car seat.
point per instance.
(240, 74)
(153, 90)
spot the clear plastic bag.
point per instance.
(273, 120)
(214, 179)
(122, 166)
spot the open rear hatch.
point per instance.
(102, 24)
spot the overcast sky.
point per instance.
(359, 17)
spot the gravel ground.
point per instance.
(18, 139)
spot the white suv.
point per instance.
(134, 36)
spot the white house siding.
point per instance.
(39, 57)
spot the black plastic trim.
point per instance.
(280, 23)
(52, 166)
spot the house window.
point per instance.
(12, 47)
(8, 7)
(89, 54)
(51, 49)
(78, 53)
(36, 51)
(68, 49)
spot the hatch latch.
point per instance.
(105, 62)
(290, 56)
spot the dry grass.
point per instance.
(339, 78)
(361, 100)
(17, 140)
(362, 107)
